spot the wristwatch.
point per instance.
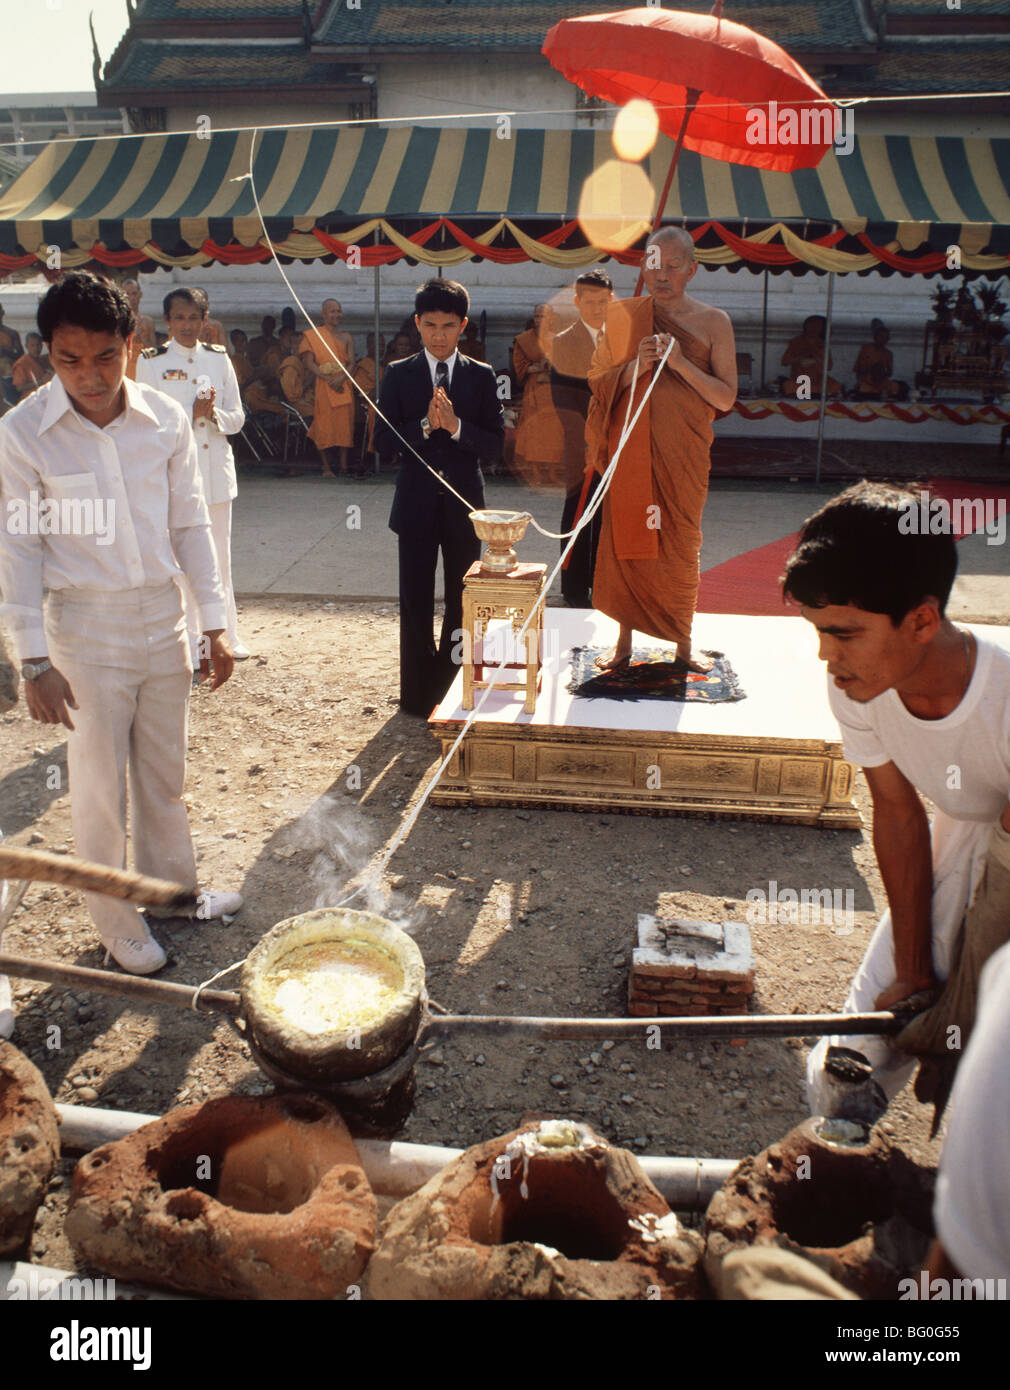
(426, 427)
(31, 672)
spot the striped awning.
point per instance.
(183, 191)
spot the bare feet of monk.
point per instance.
(701, 665)
(621, 654)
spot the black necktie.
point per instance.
(442, 377)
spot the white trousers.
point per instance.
(127, 660)
(959, 851)
(220, 529)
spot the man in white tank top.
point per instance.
(924, 709)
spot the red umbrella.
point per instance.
(718, 87)
(703, 72)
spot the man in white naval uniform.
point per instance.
(202, 379)
(103, 507)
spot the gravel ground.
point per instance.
(514, 911)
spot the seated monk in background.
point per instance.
(33, 370)
(874, 368)
(647, 571)
(297, 387)
(805, 358)
(240, 359)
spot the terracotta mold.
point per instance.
(239, 1197)
(845, 1198)
(29, 1146)
(550, 1211)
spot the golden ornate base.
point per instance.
(773, 756)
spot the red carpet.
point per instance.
(749, 583)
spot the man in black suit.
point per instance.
(571, 354)
(446, 407)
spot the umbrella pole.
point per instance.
(764, 334)
(824, 375)
(693, 94)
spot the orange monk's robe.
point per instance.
(364, 375)
(540, 440)
(333, 417)
(144, 337)
(650, 538)
(29, 373)
(298, 391)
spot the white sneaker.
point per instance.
(240, 652)
(6, 1008)
(211, 903)
(136, 956)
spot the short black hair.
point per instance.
(593, 280)
(442, 297)
(268, 319)
(85, 301)
(188, 297)
(867, 547)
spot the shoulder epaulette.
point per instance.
(155, 351)
(214, 347)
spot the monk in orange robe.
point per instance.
(647, 571)
(33, 370)
(540, 440)
(333, 419)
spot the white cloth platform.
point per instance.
(775, 661)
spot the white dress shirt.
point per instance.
(139, 475)
(180, 373)
(450, 364)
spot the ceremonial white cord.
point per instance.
(408, 822)
(373, 405)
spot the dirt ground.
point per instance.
(515, 912)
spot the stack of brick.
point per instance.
(684, 968)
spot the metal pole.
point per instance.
(395, 1168)
(726, 1026)
(378, 347)
(51, 972)
(824, 374)
(484, 1025)
(764, 334)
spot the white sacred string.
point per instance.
(370, 404)
(408, 822)
(842, 102)
(410, 819)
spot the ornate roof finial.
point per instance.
(96, 57)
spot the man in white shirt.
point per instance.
(103, 507)
(924, 708)
(972, 1206)
(201, 378)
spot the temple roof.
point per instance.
(521, 25)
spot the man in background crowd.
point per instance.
(201, 378)
(212, 330)
(571, 357)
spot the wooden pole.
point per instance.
(39, 867)
(145, 991)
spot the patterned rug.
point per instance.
(651, 675)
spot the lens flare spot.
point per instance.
(616, 204)
(635, 129)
